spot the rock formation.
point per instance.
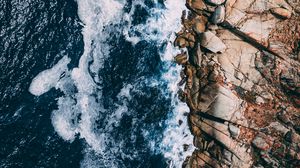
(241, 66)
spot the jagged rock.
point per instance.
(189, 74)
(196, 57)
(227, 155)
(213, 27)
(200, 24)
(181, 59)
(215, 2)
(295, 4)
(199, 27)
(212, 42)
(234, 131)
(180, 42)
(281, 12)
(219, 15)
(284, 118)
(191, 40)
(279, 127)
(292, 137)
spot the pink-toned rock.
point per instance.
(281, 12)
(260, 143)
(212, 42)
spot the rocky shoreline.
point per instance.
(241, 72)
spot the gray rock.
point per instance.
(215, 2)
(219, 15)
(212, 42)
(260, 143)
(234, 131)
(279, 127)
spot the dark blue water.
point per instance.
(86, 84)
(35, 35)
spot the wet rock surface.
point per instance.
(241, 69)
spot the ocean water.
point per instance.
(91, 83)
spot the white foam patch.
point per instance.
(160, 27)
(48, 79)
(62, 118)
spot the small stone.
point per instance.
(211, 42)
(197, 4)
(295, 138)
(180, 122)
(292, 137)
(259, 100)
(283, 117)
(281, 12)
(181, 59)
(200, 25)
(292, 153)
(234, 131)
(260, 143)
(227, 155)
(180, 42)
(190, 37)
(219, 15)
(212, 27)
(215, 2)
(185, 147)
(198, 142)
(279, 127)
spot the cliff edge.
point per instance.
(241, 71)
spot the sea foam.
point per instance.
(78, 111)
(48, 79)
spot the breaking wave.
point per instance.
(121, 99)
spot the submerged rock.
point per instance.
(211, 42)
(219, 15)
